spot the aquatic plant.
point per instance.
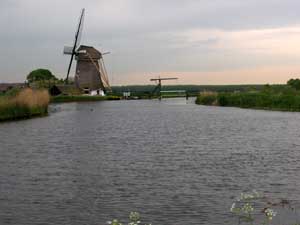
(244, 206)
(134, 219)
(255, 208)
(251, 208)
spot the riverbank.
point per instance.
(253, 100)
(30, 103)
(25, 104)
(81, 98)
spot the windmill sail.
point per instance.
(78, 34)
(104, 76)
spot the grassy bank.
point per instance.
(25, 104)
(254, 100)
(81, 98)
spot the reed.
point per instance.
(26, 104)
(207, 98)
(254, 100)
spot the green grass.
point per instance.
(81, 98)
(254, 100)
(16, 112)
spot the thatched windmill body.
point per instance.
(90, 74)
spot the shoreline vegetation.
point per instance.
(24, 104)
(81, 98)
(269, 97)
(28, 103)
(18, 103)
(264, 100)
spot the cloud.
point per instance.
(150, 36)
(275, 41)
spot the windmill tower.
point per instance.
(90, 74)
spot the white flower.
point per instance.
(270, 213)
(247, 208)
(232, 207)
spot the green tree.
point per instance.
(295, 83)
(40, 75)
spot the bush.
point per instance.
(295, 83)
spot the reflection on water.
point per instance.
(174, 162)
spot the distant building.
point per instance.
(126, 94)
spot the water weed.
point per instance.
(254, 208)
(134, 219)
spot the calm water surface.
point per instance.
(174, 162)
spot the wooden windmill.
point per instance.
(90, 75)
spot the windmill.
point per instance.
(90, 74)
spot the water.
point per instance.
(175, 163)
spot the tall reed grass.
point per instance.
(27, 103)
(254, 100)
(207, 98)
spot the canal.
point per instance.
(173, 161)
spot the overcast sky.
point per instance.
(200, 41)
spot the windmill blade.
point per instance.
(69, 68)
(78, 35)
(105, 73)
(103, 70)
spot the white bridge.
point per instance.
(174, 91)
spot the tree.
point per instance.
(295, 83)
(40, 75)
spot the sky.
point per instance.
(198, 41)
